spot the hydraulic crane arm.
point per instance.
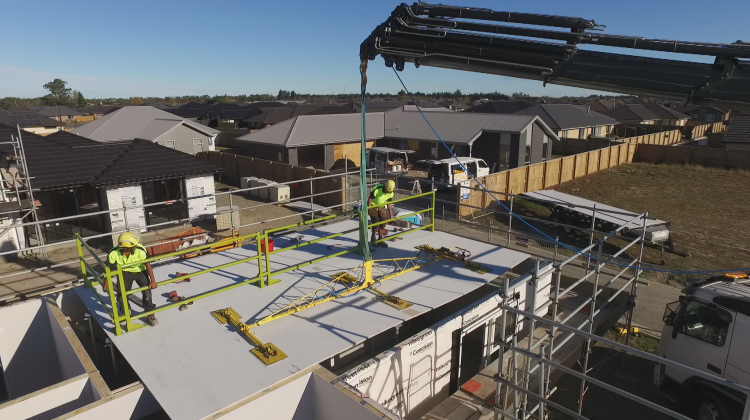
(487, 41)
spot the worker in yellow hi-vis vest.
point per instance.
(379, 196)
(128, 251)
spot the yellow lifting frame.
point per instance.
(270, 354)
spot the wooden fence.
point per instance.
(244, 166)
(573, 146)
(547, 174)
(662, 138)
(705, 129)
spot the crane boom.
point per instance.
(512, 44)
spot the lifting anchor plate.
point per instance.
(265, 352)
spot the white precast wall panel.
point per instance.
(198, 186)
(131, 196)
(415, 375)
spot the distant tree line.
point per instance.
(60, 94)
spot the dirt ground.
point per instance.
(706, 207)
(624, 371)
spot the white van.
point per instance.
(450, 171)
(388, 161)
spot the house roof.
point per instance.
(53, 111)
(665, 113)
(738, 130)
(603, 104)
(566, 116)
(630, 112)
(133, 122)
(188, 112)
(400, 123)
(688, 110)
(455, 127)
(308, 130)
(500, 107)
(99, 109)
(63, 160)
(27, 119)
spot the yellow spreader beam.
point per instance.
(363, 277)
(266, 352)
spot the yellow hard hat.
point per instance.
(127, 240)
(390, 186)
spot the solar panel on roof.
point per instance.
(25, 119)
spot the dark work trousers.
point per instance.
(141, 279)
(378, 214)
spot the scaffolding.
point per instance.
(524, 391)
(17, 196)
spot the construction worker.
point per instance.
(379, 196)
(128, 251)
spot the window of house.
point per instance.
(695, 116)
(545, 145)
(169, 143)
(511, 319)
(705, 323)
(581, 133)
(710, 117)
(598, 131)
(564, 134)
(197, 145)
(504, 151)
(527, 159)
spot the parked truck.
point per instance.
(708, 329)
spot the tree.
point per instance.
(136, 100)
(58, 92)
(457, 92)
(80, 100)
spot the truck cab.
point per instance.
(708, 329)
(449, 171)
(388, 161)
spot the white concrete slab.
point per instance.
(195, 366)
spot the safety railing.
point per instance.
(93, 277)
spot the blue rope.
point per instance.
(527, 223)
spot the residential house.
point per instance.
(572, 121)
(602, 105)
(96, 111)
(326, 141)
(154, 125)
(318, 141)
(453, 105)
(30, 121)
(500, 107)
(704, 113)
(72, 175)
(646, 113)
(737, 136)
(632, 114)
(503, 141)
(667, 116)
(59, 113)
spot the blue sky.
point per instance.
(164, 47)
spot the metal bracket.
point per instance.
(454, 254)
(390, 300)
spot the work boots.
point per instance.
(148, 305)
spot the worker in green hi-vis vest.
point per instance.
(379, 196)
(129, 251)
